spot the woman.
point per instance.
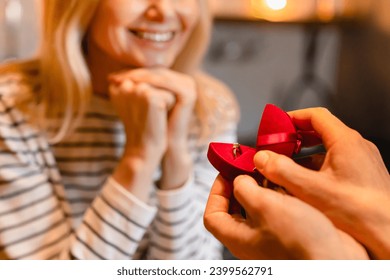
(103, 136)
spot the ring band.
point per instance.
(236, 149)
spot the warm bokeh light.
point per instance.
(276, 4)
(13, 11)
(298, 10)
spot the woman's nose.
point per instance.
(159, 10)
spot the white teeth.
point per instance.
(154, 36)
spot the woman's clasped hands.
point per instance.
(155, 106)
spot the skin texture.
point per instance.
(330, 212)
(277, 226)
(352, 187)
(137, 42)
(117, 25)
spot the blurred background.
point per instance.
(292, 53)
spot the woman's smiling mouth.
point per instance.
(159, 37)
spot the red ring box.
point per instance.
(276, 133)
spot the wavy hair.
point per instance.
(65, 82)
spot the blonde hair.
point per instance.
(63, 73)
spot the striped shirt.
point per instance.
(60, 201)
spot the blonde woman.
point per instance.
(103, 137)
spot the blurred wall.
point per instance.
(19, 33)
(267, 63)
(363, 89)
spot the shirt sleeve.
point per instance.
(35, 219)
(113, 226)
(178, 231)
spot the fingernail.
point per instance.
(240, 177)
(261, 159)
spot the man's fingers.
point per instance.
(224, 226)
(219, 197)
(321, 120)
(299, 181)
(257, 201)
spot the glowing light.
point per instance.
(13, 11)
(276, 4)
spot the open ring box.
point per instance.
(276, 133)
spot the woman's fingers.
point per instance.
(182, 86)
(158, 98)
(143, 91)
